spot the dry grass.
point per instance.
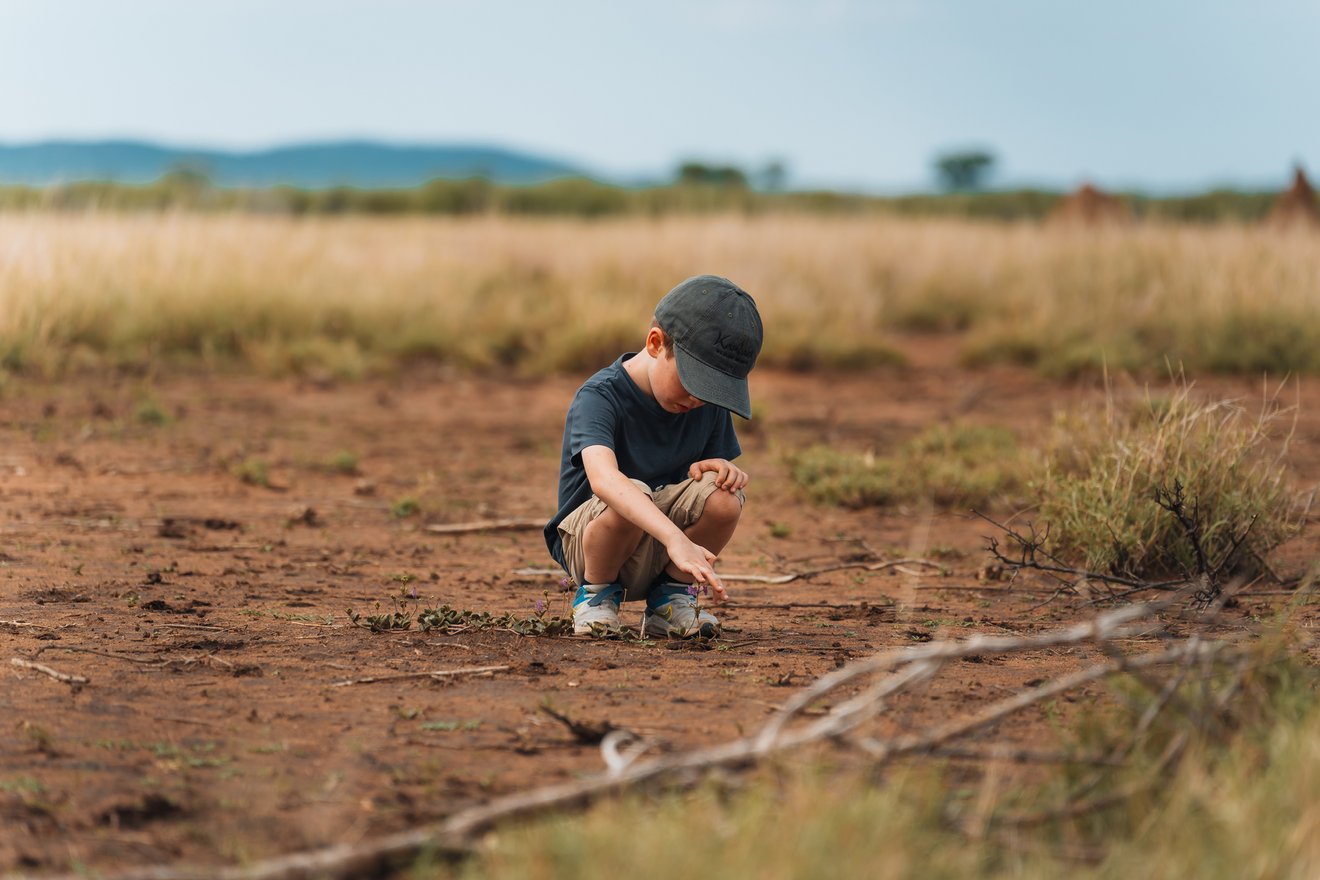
(1102, 469)
(353, 295)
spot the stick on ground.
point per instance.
(493, 525)
(435, 673)
(66, 677)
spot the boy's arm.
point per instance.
(610, 485)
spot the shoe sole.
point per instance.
(597, 629)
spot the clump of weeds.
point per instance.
(406, 609)
(405, 507)
(341, 462)
(253, 471)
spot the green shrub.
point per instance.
(150, 412)
(405, 507)
(1102, 469)
(253, 471)
(342, 462)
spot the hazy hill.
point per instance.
(354, 163)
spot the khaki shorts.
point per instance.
(682, 502)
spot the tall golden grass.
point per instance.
(356, 294)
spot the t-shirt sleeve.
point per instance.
(723, 441)
(592, 421)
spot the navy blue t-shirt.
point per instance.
(651, 445)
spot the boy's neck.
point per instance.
(636, 368)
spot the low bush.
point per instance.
(1097, 491)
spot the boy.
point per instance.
(648, 495)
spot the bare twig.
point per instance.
(1031, 551)
(66, 677)
(493, 525)
(878, 607)
(435, 673)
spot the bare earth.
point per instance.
(208, 614)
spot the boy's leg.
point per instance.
(717, 517)
(708, 515)
(597, 545)
(607, 542)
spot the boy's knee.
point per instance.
(723, 505)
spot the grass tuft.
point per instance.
(253, 471)
(955, 466)
(1102, 469)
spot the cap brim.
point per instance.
(709, 385)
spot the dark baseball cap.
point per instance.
(717, 334)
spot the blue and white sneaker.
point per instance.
(672, 612)
(596, 609)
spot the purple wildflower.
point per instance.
(692, 590)
(540, 606)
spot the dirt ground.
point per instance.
(208, 614)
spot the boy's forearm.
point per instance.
(624, 498)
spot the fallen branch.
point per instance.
(66, 677)
(493, 525)
(435, 673)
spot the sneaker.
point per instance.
(672, 612)
(596, 609)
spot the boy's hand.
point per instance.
(695, 560)
(727, 475)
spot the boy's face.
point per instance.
(666, 387)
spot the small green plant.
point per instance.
(405, 507)
(150, 412)
(342, 462)
(780, 530)
(253, 471)
(383, 621)
(407, 609)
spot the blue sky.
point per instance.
(1159, 94)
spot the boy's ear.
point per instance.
(655, 342)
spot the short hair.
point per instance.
(668, 340)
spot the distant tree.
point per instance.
(187, 176)
(712, 175)
(774, 176)
(964, 170)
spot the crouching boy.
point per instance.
(648, 493)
